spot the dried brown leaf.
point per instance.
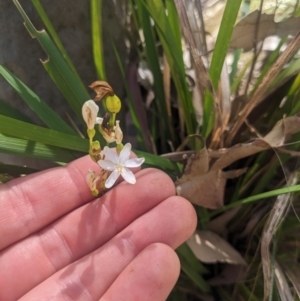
(257, 97)
(205, 187)
(202, 74)
(210, 248)
(244, 32)
(239, 151)
(224, 112)
(197, 165)
(206, 190)
(282, 130)
(275, 138)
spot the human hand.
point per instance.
(58, 242)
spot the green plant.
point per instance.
(229, 124)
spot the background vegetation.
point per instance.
(213, 99)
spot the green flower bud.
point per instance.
(96, 145)
(91, 133)
(113, 104)
(119, 147)
(95, 192)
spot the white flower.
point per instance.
(89, 113)
(119, 165)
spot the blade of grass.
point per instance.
(36, 133)
(202, 76)
(279, 162)
(295, 91)
(21, 147)
(291, 69)
(166, 129)
(173, 52)
(274, 55)
(236, 82)
(217, 61)
(257, 197)
(96, 21)
(173, 19)
(222, 43)
(272, 73)
(132, 110)
(234, 66)
(41, 109)
(159, 162)
(58, 69)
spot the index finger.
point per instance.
(30, 203)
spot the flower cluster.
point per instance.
(113, 163)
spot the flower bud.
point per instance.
(91, 133)
(89, 113)
(113, 104)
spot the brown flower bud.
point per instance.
(102, 89)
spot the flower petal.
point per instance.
(99, 120)
(118, 133)
(128, 175)
(110, 155)
(136, 162)
(125, 153)
(89, 113)
(107, 165)
(111, 180)
(109, 138)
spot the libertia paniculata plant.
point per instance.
(112, 163)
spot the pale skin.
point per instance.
(58, 242)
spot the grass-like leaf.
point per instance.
(31, 149)
(172, 47)
(166, 130)
(257, 197)
(57, 67)
(160, 162)
(218, 58)
(40, 108)
(132, 109)
(36, 133)
(96, 22)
